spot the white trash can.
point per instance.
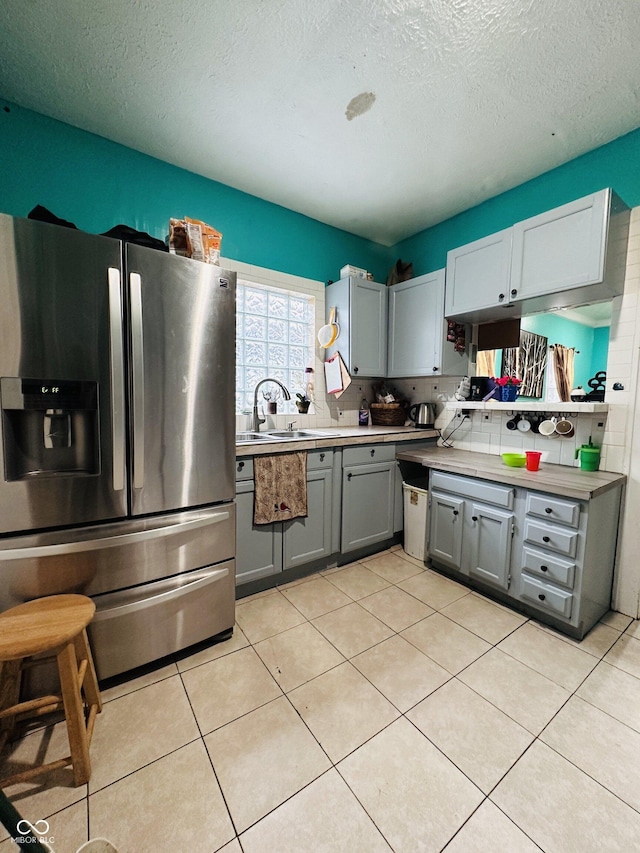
(416, 512)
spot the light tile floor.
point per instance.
(379, 706)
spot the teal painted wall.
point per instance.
(600, 349)
(615, 165)
(97, 184)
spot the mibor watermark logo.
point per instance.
(40, 828)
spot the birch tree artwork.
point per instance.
(528, 362)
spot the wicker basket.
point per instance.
(388, 414)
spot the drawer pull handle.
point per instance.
(455, 512)
(474, 518)
(546, 539)
(542, 596)
(548, 510)
(322, 457)
(544, 568)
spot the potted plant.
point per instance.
(508, 386)
(303, 403)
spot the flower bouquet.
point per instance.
(509, 388)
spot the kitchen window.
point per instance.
(275, 330)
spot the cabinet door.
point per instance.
(490, 535)
(416, 311)
(308, 539)
(446, 515)
(368, 328)
(367, 504)
(258, 547)
(560, 249)
(478, 276)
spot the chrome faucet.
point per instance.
(256, 420)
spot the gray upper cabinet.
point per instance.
(362, 317)
(417, 330)
(567, 249)
(478, 277)
(569, 256)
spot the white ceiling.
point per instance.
(381, 117)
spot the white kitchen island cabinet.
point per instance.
(417, 344)
(361, 314)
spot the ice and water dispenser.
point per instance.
(49, 427)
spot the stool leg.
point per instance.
(74, 713)
(90, 682)
(10, 677)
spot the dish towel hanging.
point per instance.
(280, 487)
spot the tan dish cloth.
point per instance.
(281, 487)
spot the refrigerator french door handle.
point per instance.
(145, 600)
(117, 379)
(137, 358)
(38, 551)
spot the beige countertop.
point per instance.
(337, 437)
(554, 479)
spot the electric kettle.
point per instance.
(423, 415)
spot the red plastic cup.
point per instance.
(533, 459)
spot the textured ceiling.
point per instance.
(381, 117)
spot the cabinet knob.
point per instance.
(455, 512)
(435, 369)
(544, 568)
(514, 292)
(546, 539)
(240, 466)
(474, 518)
(542, 596)
(322, 457)
(355, 369)
(548, 510)
(500, 297)
(372, 452)
(349, 476)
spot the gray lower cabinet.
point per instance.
(266, 549)
(471, 527)
(258, 546)
(550, 556)
(368, 495)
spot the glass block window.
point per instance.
(274, 337)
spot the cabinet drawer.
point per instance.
(244, 469)
(565, 512)
(366, 453)
(547, 597)
(546, 566)
(551, 536)
(317, 459)
(473, 488)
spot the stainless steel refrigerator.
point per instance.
(117, 372)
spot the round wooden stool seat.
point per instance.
(54, 626)
(43, 624)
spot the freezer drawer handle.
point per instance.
(150, 601)
(117, 378)
(111, 541)
(137, 353)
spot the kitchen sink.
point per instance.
(245, 437)
(297, 433)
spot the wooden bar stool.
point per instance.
(54, 626)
